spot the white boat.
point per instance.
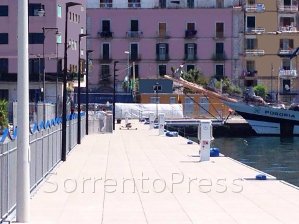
(268, 120)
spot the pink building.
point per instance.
(159, 39)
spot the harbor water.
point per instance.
(273, 155)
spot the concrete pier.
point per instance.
(137, 176)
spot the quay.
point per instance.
(136, 176)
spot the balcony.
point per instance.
(287, 74)
(254, 52)
(135, 57)
(255, 30)
(105, 34)
(134, 5)
(106, 5)
(285, 52)
(190, 57)
(219, 57)
(190, 33)
(105, 59)
(255, 7)
(288, 29)
(219, 35)
(163, 35)
(249, 75)
(162, 57)
(134, 34)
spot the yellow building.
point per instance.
(272, 29)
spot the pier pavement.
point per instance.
(136, 176)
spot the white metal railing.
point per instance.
(288, 29)
(134, 5)
(285, 51)
(256, 30)
(255, 52)
(255, 7)
(287, 8)
(292, 73)
(134, 34)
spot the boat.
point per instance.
(268, 119)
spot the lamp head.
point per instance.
(70, 4)
(83, 35)
(127, 52)
(89, 51)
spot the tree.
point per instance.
(195, 76)
(260, 90)
(3, 114)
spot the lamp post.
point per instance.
(63, 139)
(157, 87)
(79, 89)
(86, 89)
(44, 67)
(128, 65)
(114, 90)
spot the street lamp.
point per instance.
(79, 89)
(86, 89)
(157, 88)
(128, 65)
(44, 67)
(114, 89)
(63, 139)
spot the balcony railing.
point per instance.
(190, 33)
(106, 5)
(162, 57)
(134, 34)
(190, 57)
(283, 52)
(105, 34)
(135, 57)
(288, 29)
(134, 5)
(163, 35)
(255, 7)
(219, 35)
(292, 73)
(254, 52)
(287, 8)
(255, 30)
(105, 59)
(219, 57)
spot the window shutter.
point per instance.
(167, 49)
(186, 50)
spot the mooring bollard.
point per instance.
(151, 120)
(161, 123)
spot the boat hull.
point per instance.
(267, 120)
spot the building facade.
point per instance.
(159, 36)
(46, 46)
(271, 36)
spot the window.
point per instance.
(4, 94)
(59, 11)
(219, 48)
(286, 85)
(3, 38)
(286, 64)
(287, 2)
(162, 4)
(172, 100)
(286, 44)
(190, 32)
(190, 3)
(82, 30)
(105, 73)
(219, 3)
(134, 52)
(106, 3)
(188, 106)
(162, 29)
(106, 25)
(219, 30)
(134, 25)
(35, 66)
(134, 4)
(219, 70)
(250, 23)
(162, 70)
(251, 43)
(34, 8)
(58, 39)
(36, 38)
(155, 100)
(250, 66)
(105, 51)
(190, 67)
(191, 26)
(190, 51)
(3, 10)
(251, 2)
(3, 65)
(162, 51)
